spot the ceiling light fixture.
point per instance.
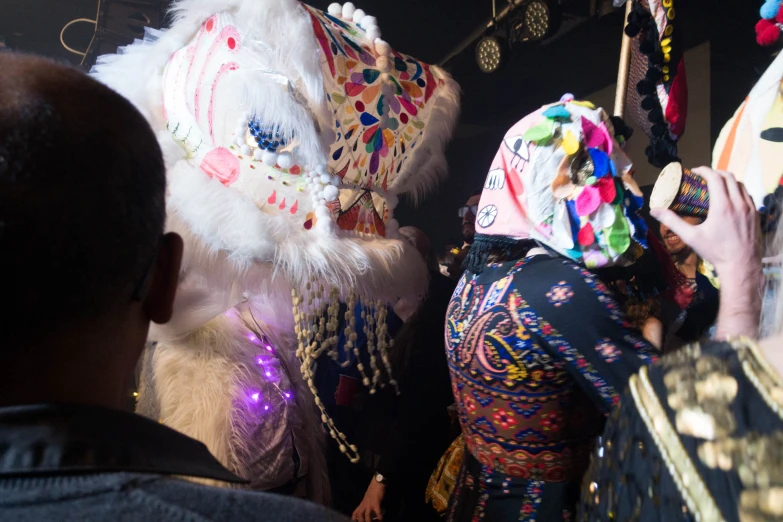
(489, 54)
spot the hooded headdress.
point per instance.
(561, 178)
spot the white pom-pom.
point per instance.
(325, 226)
(336, 181)
(258, 154)
(383, 64)
(392, 200)
(335, 9)
(240, 141)
(326, 179)
(321, 169)
(373, 32)
(367, 21)
(245, 149)
(392, 228)
(385, 78)
(382, 47)
(348, 10)
(241, 131)
(285, 160)
(331, 193)
(269, 158)
(322, 212)
(358, 15)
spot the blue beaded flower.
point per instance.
(267, 138)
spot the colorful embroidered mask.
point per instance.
(290, 134)
(561, 178)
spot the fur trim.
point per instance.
(204, 385)
(428, 166)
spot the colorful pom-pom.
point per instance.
(567, 97)
(769, 35)
(769, 10)
(779, 16)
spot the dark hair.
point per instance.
(82, 187)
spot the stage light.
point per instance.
(489, 54)
(530, 23)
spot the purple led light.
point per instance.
(268, 374)
(266, 407)
(255, 397)
(287, 395)
(268, 347)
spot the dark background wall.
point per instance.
(582, 60)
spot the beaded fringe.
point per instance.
(316, 319)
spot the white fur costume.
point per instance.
(288, 135)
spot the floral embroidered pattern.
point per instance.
(504, 419)
(608, 350)
(533, 497)
(560, 294)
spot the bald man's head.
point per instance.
(82, 187)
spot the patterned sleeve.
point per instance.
(579, 322)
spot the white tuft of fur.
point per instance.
(428, 165)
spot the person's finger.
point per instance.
(747, 197)
(716, 185)
(674, 222)
(736, 198)
(357, 514)
(367, 515)
(378, 513)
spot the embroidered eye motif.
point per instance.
(496, 179)
(521, 150)
(487, 216)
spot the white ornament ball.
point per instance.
(348, 10)
(324, 226)
(335, 9)
(383, 64)
(326, 179)
(285, 160)
(358, 15)
(387, 89)
(269, 158)
(382, 47)
(245, 149)
(367, 21)
(373, 32)
(392, 228)
(331, 193)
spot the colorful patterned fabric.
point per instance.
(561, 178)
(444, 478)
(381, 106)
(537, 351)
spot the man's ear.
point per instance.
(159, 303)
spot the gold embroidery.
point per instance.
(757, 459)
(689, 482)
(700, 394)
